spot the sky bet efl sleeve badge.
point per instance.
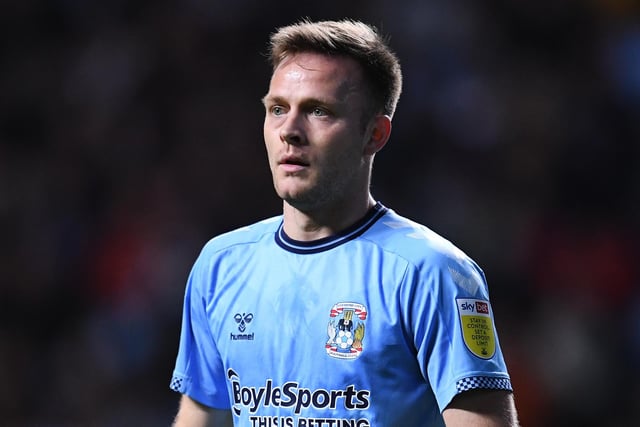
(477, 327)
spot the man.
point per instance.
(340, 312)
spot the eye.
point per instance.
(277, 110)
(319, 112)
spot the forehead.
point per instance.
(335, 75)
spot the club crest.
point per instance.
(345, 330)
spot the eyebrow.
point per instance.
(276, 99)
(271, 99)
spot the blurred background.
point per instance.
(131, 133)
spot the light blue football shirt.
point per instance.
(380, 325)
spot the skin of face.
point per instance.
(318, 146)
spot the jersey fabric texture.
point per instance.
(380, 325)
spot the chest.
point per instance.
(328, 313)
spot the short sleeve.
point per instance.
(454, 329)
(199, 372)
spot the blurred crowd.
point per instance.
(131, 133)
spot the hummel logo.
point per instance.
(242, 320)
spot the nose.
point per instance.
(292, 130)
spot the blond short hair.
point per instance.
(354, 39)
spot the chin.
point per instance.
(300, 201)
(302, 197)
(292, 193)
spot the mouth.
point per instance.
(293, 163)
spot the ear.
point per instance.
(380, 133)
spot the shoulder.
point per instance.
(241, 237)
(429, 254)
(412, 240)
(225, 255)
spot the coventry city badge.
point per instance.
(346, 330)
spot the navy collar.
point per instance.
(330, 242)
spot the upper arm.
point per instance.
(194, 414)
(481, 408)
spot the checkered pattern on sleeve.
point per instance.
(177, 384)
(472, 383)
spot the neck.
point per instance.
(314, 224)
